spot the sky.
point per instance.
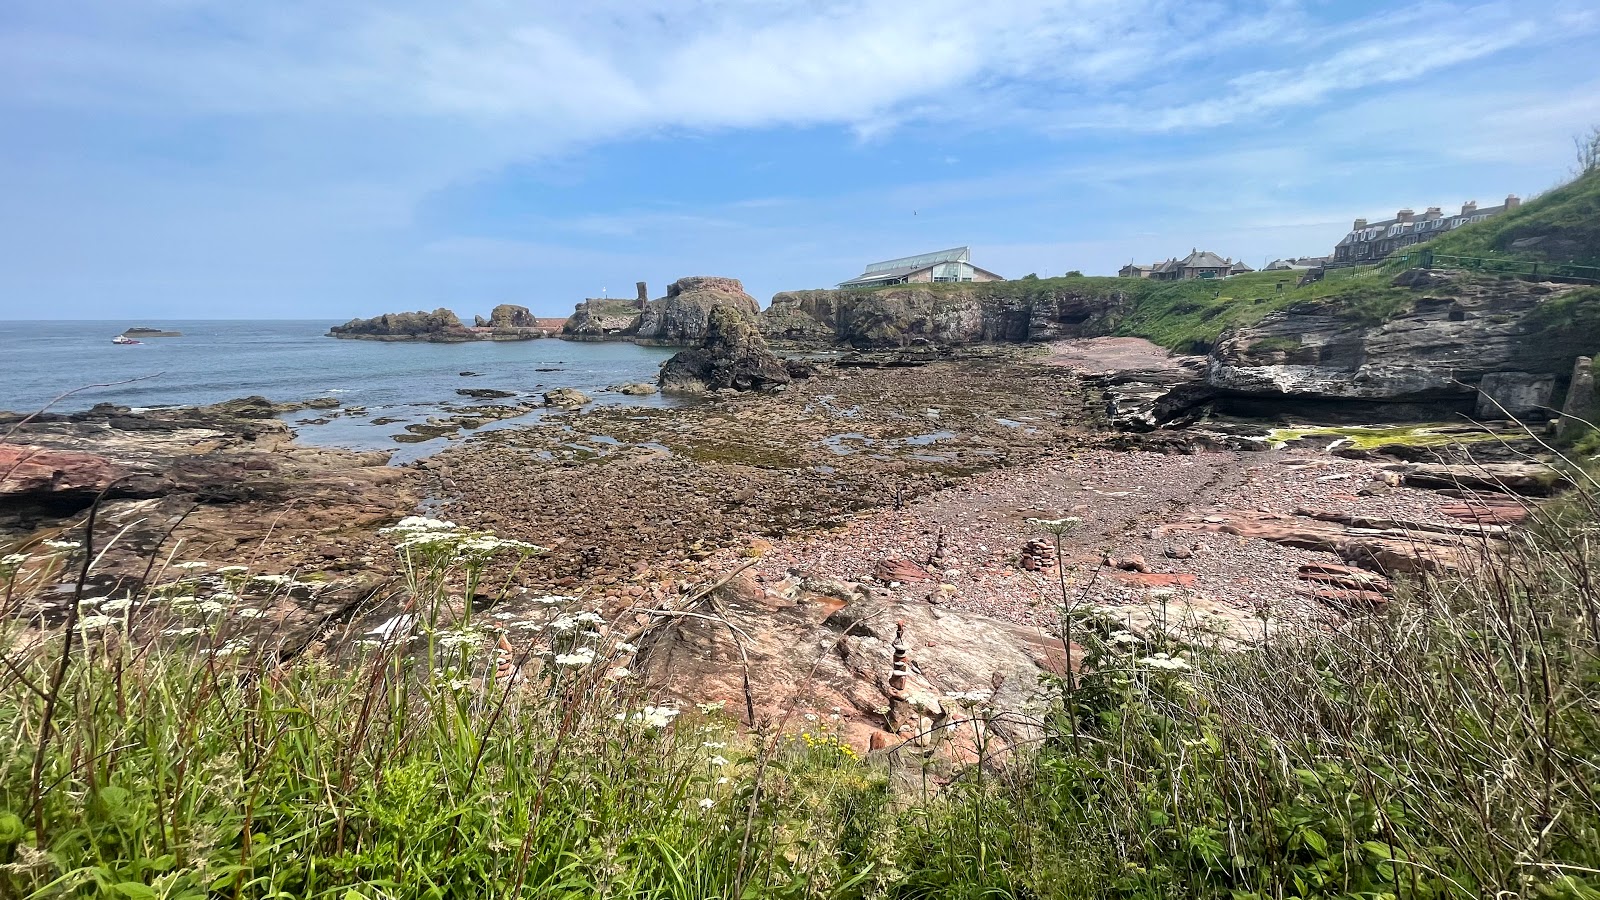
(305, 159)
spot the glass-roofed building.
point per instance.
(945, 265)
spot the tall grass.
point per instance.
(1448, 747)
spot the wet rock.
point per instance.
(733, 356)
(439, 326)
(567, 398)
(634, 389)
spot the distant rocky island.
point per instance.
(143, 332)
(507, 322)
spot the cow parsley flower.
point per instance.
(1057, 526)
(625, 647)
(62, 545)
(653, 716)
(94, 623)
(190, 566)
(580, 657)
(707, 803)
(1165, 662)
(116, 605)
(12, 560)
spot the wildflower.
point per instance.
(457, 684)
(190, 566)
(589, 618)
(92, 623)
(1057, 526)
(210, 607)
(1123, 637)
(12, 560)
(232, 570)
(713, 745)
(452, 639)
(418, 523)
(116, 605)
(722, 780)
(272, 579)
(249, 612)
(709, 708)
(563, 623)
(625, 647)
(393, 627)
(707, 803)
(717, 761)
(62, 545)
(618, 674)
(231, 648)
(183, 632)
(580, 657)
(1163, 661)
(653, 716)
(552, 599)
(972, 698)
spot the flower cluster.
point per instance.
(1057, 526)
(443, 540)
(652, 716)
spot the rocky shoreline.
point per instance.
(880, 488)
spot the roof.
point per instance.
(1394, 228)
(1204, 259)
(871, 277)
(921, 260)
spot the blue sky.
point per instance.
(210, 158)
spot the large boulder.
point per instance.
(602, 319)
(439, 326)
(37, 472)
(681, 318)
(732, 355)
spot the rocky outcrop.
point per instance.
(1581, 412)
(680, 319)
(508, 315)
(1437, 349)
(732, 355)
(566, 398)
(439, 326)
(1016, 311)
(677, 320)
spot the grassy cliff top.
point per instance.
(1190, 315)
(1562, 225)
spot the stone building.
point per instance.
(942, 266)
(1372, 241)
(1198, 264)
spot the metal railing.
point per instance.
(1427, 259)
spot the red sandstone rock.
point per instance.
(902, 570)
(26, 470)
(1156, 579)
(1345, 577)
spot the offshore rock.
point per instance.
(568, 398)
(439, 326)
(733, 356)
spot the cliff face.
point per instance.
(1000, 312)
(439, 326)
(677, 320)
(1438, 348)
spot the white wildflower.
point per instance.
(116, 605)
(581, 657)
(707, 803)
(210, 607)
(709, 708)
(618, 674)
(722, 780)
(452, 639)
(62, 545)
(457, 684)
(183, 632)
(713, 745)
(1163, 661)
(93, 623)
(232, 570)
(563, 623)
(250, 612)
(271, 579)
(589, 618)
(393, 627)
(1123, 637)
(190, 566)
(13, 559)
(418, 523)
(1057, 526)
(552, 599)
(717, 761)
(625, 647)
(653, 716)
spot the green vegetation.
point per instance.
(1445, 748)
(1368, 437)
(1560, 226)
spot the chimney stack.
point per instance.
(1433, 213)
(1513, 201)
(1360, 224)
(1469, 207)
(1405, 215)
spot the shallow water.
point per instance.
(292, 361)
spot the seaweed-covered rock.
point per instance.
(733, 355)
(682, 317)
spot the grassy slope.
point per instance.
(1570, 213)
(1190, 315)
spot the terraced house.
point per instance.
(1372, 241)
(1198, 264)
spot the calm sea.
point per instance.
(294, 361)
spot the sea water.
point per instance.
(294, 361)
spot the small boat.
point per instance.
(124, 339)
